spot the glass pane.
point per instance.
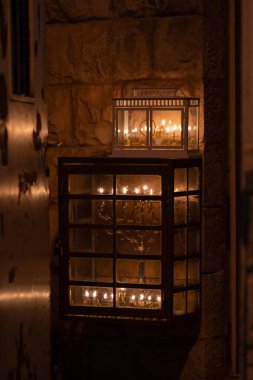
(138, 242)
(192, 301)
(179, 273)
(193, 178)
(167, 128)
(193, 241)
(180, 179)
(193, 209)
(90, 184)
(90, 211)
(88, 269)
(90, 240)
(132, 128)
(90, 296)
(139, 271)
(180, 242)
(140, 185)
(180, 210)
(179, 303)
(138, 298)
(139, 212)
(193, 128)
(193, 272)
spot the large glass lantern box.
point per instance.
(130, 231)
(156, 126)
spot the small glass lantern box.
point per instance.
(158, 122)
(130, 231)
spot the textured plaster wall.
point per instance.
(97, 50)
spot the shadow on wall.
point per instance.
(119, 359)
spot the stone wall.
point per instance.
(98, 50)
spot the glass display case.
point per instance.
(130, 231)
(156, 126)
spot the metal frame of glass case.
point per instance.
(156, 127)
(131, 238)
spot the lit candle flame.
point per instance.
(137, 190)
(101, 190)
(133, 297)
(105, 296)
(124, 190)
(94, 295)
(87, 293)
(163, 122)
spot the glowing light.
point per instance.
(149, 298)
(167, 129)
(105, 296)
(175, 127)
(158, 298)
(137, 190)
(124, 190)
(151, 191)
(189, 128)
(145, 187)
(133, 297)
(94, 295)
(163, 122)
(101, 190)
(87, 293)
(141, 297)
(134, 130)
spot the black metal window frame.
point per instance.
(163, 167)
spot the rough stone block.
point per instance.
(214, 237)
(97, 9)
(60, 124)
(216, 123)
(214, 305)
(99, 52)
(132, 49)
(215, 33)
(215, 176)
(194, 367)
(93, 114)
(177, 47)
(78, 10)
(125, 49)
(216, 361)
